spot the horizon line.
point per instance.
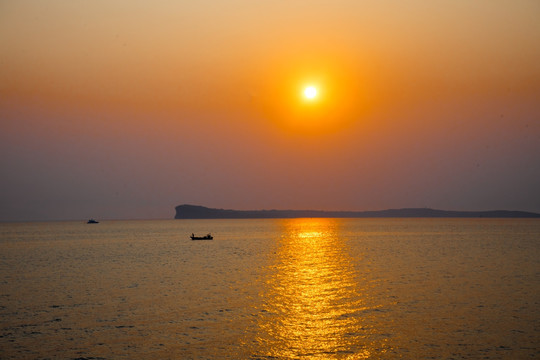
(189, 211)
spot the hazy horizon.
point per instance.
(124, 110)
(275, 209)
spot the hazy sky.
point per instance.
(125, 109)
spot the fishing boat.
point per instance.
(92, 221)
(206, 237)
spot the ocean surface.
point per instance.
(271, 289)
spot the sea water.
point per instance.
(271, 289)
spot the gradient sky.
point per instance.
(125, 109)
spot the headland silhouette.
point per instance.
(187, 211)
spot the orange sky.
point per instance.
(124, 109)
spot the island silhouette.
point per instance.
(187, 211)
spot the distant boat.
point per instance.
(206, 237)
(92, 221)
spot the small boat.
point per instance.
(92, 221)
(206, 237)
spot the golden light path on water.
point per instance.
(313, 301)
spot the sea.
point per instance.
(313, 288)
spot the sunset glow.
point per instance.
(134, 111)
(248, 179)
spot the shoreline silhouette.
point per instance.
(187, 211)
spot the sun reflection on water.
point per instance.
(313, 302)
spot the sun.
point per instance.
(310, 92)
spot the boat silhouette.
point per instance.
(206, 237)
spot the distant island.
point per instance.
(200, 212)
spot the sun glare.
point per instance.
(310, 92)
(312, 100)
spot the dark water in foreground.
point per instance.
(271, 289)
